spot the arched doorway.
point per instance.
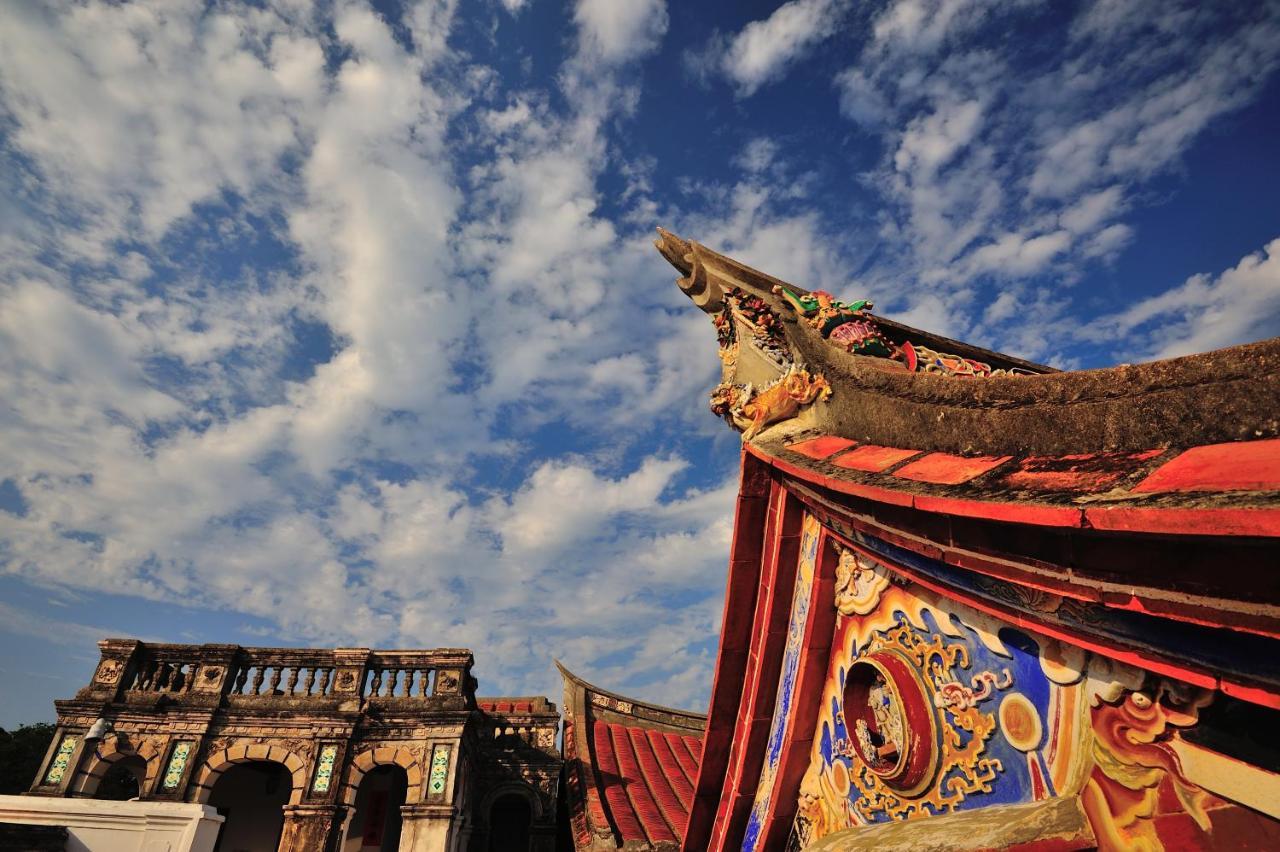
(509, 819)
(251, 796)
(123, 780)
(375, 820)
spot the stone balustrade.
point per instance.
(133, 671)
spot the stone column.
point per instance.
(311, 828)
(426, 827)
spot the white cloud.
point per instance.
(1203, 313)
(1018, 255)
(763, 50)
(919, 26)
(59, 355)
(1092, 210)
(83, 81)
(930, 142)
(619, 30)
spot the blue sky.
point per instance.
(342, 325)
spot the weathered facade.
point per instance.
(977, 603)
(186, 717)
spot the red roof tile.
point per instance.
(1080, 472)
(948, 469)
(637, 770)
(872, 458)
(822, 447)
(1241, 466)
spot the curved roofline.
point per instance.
(1228, 395)
(700, 718)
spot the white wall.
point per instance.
(96, 826)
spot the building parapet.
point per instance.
(134, 672)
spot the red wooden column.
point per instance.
(768, 642)
(745, 562)
(797, 741)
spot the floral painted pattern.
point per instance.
(439, 776)
(177, 765)
(61, 760)
(324, 769)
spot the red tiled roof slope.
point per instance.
(632, 767)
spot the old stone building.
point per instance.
(304, 749)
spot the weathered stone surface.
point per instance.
(328, 717)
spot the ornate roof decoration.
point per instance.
(861, 405)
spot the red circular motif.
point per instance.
(890, 721)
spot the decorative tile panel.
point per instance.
(177, 765)
(810, 537)
(438, 779)
(61, 760)
(324, 769)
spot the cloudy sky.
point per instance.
(342, 326)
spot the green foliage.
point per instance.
(21, 751)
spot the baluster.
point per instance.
(324, 679)
(377, 682)
(294, 671)
(273, 687)
(189, 678)
(310, 681)
(179, 678)
(242, 674)
(148, 676)
(165, 678)
(391, 682)
(259, 673)
(424, 682)
(407, 690)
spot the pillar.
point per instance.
(311, 828)
(426, 827)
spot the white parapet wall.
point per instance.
(96, 826)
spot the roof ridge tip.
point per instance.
(591, 687)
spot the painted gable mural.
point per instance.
(932, 707)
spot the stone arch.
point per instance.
(220, 761)
(508, 788)
(366, 760)
(111, 751)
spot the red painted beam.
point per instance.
(745, 554)
(1057, 579)
(769, 633)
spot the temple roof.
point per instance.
(856, 403)
(631, 767)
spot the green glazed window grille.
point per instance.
(177, 763)
(439, 776)
(324, 769)
(61, 760)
